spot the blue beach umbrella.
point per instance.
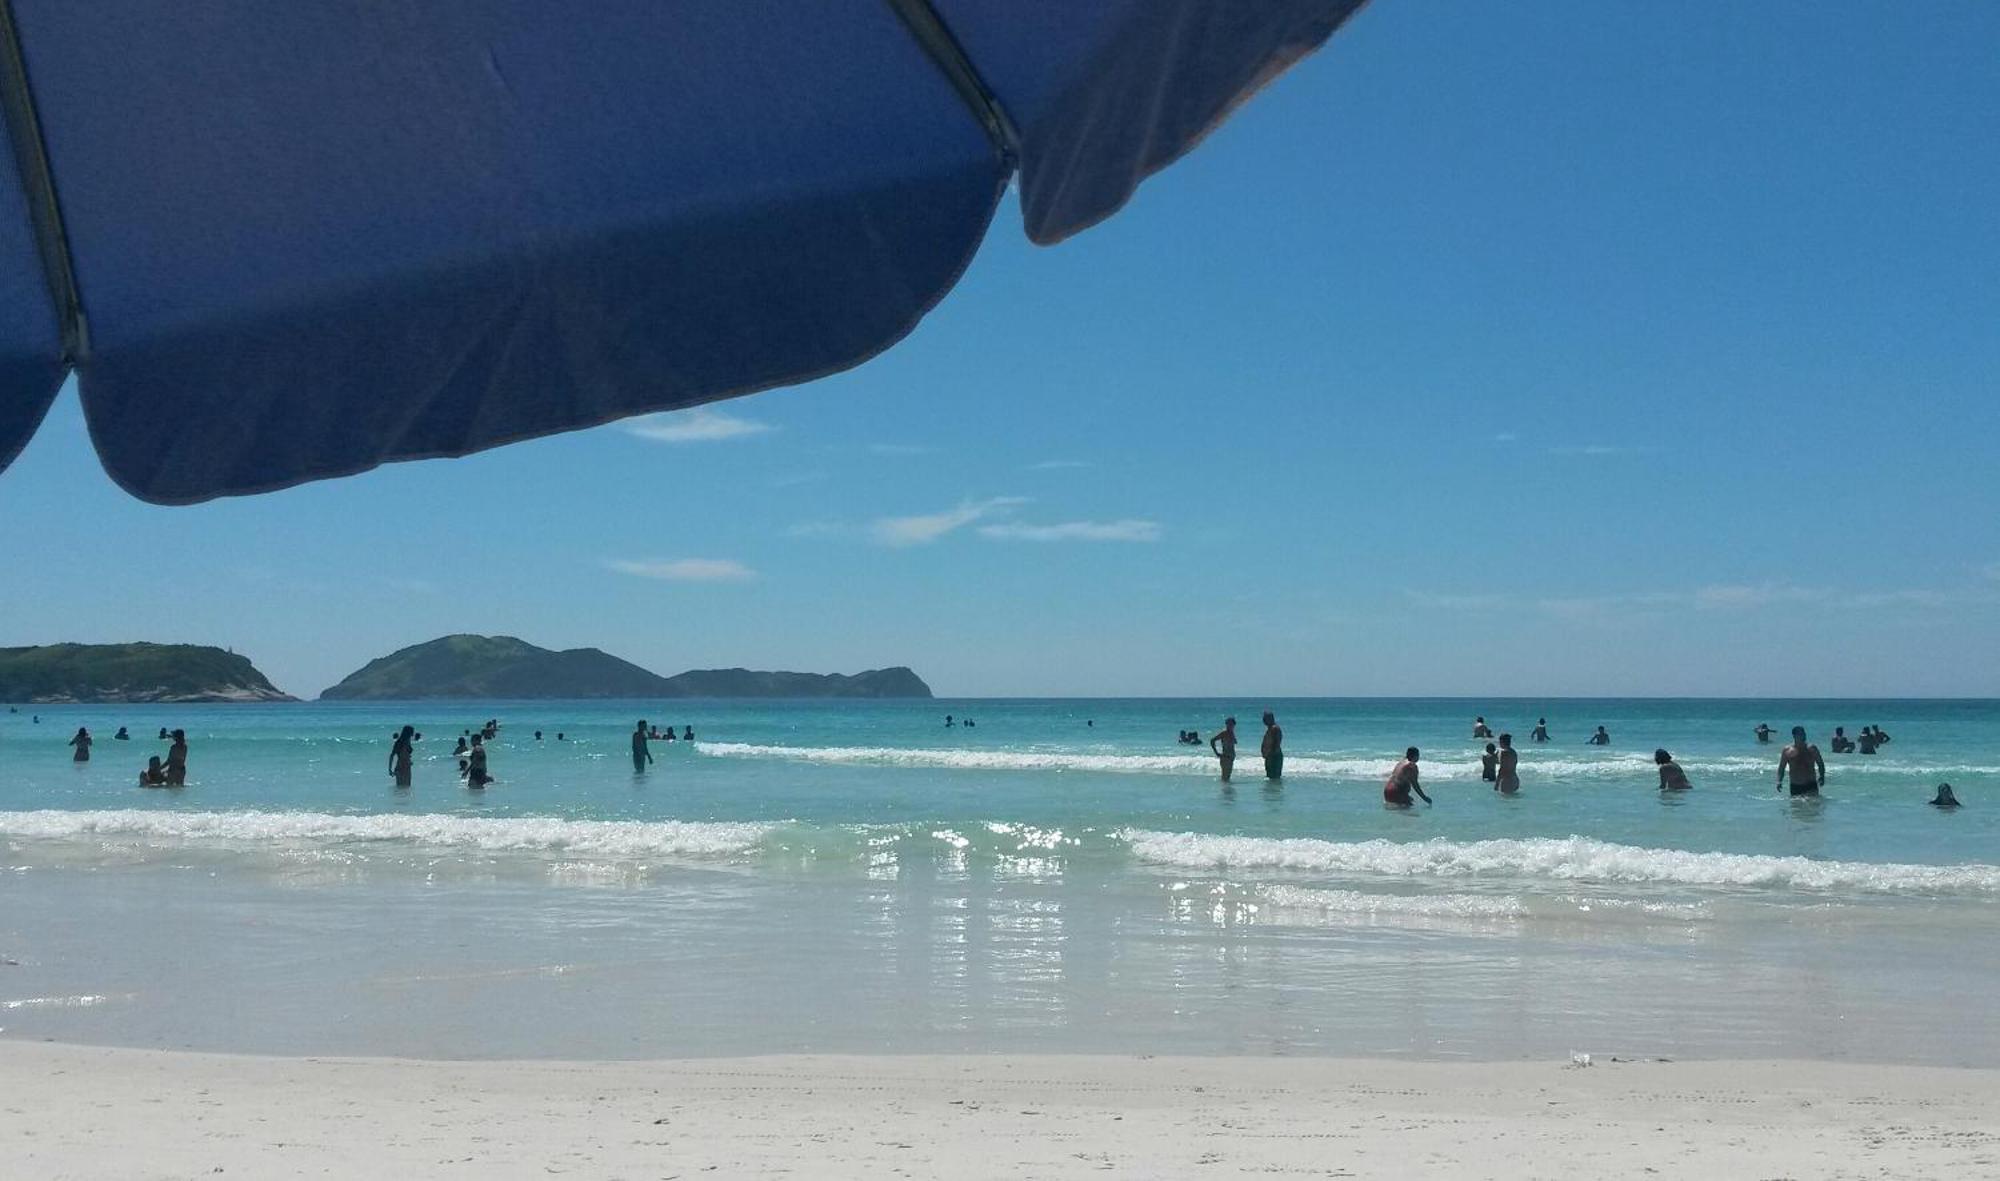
(282, 241)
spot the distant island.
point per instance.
(56, 674)
(505, 667)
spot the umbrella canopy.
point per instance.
(282, 242)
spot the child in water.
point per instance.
(154, 775)
(1489, 764)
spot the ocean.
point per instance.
(1063, 876)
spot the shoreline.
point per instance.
(81, 1110)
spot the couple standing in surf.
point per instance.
(1223, 744)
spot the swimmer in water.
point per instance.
(475, 763)
(1510, 759)
(1944, 797)
(1480, 729)
(400, 752)
(1801, 766)
(177, 760)
(1763, 732)
(1600, 738)
(1672, 778)
(154, 775)
(1489, 764)
(1541, 731)
(641, 753)
(82, 744)
(1273, 749)
(1223, 746)
(1402, 781)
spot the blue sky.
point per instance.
(1577, 348)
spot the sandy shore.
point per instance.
(70, 1111)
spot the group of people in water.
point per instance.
(1801, 768)
(471, 751)
(167, 771)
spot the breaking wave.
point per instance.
(605, 838)
(1567, 859)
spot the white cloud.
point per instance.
(1058, 465)
(700, 425)
(1761, 595)
(1455, 602)
(684, 569)
(1596, 449)
(928, 527)
(1128, 530)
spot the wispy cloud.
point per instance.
(1059, 465)
(1505, 437)
(1128, 530)
(700, 425)
(797, 478)
(1737, 598)
(928, 527)
(900, 449)
(1596, 449)
(1455, 602)
(684, 569)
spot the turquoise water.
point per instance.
(857, 876)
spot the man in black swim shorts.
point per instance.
(1801, 765)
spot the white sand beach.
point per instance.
(76, 1112)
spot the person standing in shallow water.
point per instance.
(641, 753)
(400, 753)
(1402, 781)
(82, 744)
(1489, 765)
(1223, 745)
(1800, 764)
(1273, 748)
(475, 764)
(177, 760)
(1509, 781)
(1541, 731)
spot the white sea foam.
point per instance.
(1367, 767)
(1535, 765)
(604, 838)
(1566, 859)
(1358, 903)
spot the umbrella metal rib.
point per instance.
(935, 38)
(31, 155)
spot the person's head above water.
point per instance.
(1944, 797)
(1270, 719)
(1411, 754)
(1661, 756)
(1489, 748)
(1505, 740)
(641, 725)
(1229, 723)
(180, 736)
(1799, 732)
(408, 732)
